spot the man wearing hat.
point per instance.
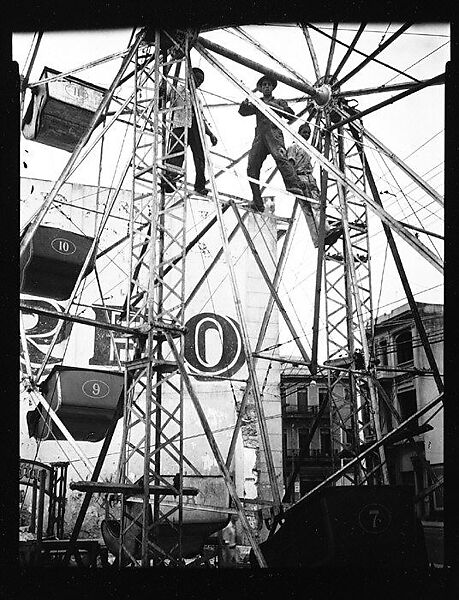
(301, 162)
(269, 140)
(184, 117)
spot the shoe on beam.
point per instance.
(201, 191)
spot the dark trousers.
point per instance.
(194, 141)
(269, 140)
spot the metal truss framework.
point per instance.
(153, 426)
(348, 308)
(155, 374)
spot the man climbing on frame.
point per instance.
(184, 117)
(269, 140)
(301, 162)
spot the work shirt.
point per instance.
(301, 159)
(303, 167)
(183, 113)
(262, 121)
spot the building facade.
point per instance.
(409, 385)
(308, 460)
(415, 457)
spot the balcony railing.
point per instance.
(312, 453)
(303, 410)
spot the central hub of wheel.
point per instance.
(323, 94)
(327, 99)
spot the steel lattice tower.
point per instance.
(153, 417)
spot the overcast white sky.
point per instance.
(412, 128)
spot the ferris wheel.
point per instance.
(142, 257)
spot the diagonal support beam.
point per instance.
(402, 274)
(320, 256)
(405, 168)
(94, 477)
(217, 454)
(262, 333)
(38, 399)
(238, 305)
(371, 449)
(270, 284)
(215, 260)
(94, 121)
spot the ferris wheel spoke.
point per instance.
(203, 43)
(399, 162)
(84, 67)
(260, 47)
(29, 65)
(375, 53)
(358, 115)
(383, 88)
(332, 51)
(312, 52)
(76, 152)
(404, 280)
(375, 60)
(348, 51)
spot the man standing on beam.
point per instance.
(301, 162)
(184, 117)
(269, 140)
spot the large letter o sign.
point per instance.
(213, 345)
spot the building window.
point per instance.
(291, 402)
(404, 346)
(303, 436)
(407, 403)
(322, 395)
(382, 354)
(302, 399)
(325, 442)
(313, 395)
(291, 438)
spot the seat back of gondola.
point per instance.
(60, 112)
(52, 262)
(198, 523)
(85, 401)
(349, 526)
